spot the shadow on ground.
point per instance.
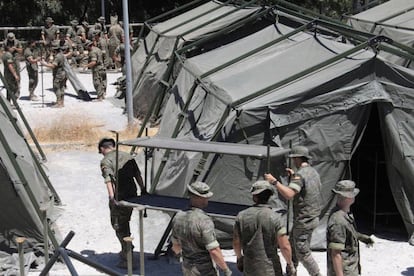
(163, 265)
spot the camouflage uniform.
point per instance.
(115, 34)
(306, 209)
(59, 78)
(50, 33)
(120, 216)
(258, 228)
(32, 69)
(13, 86)
(98, 72)
(342, 235)
(103, 45)
(11, 57)
(194, 230)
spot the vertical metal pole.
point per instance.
(20, 241)
(128, 241)
(127, 62)
(141, 243)
(45, 234)
(103, 8)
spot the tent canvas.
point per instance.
(24, 187)
(394, 19)
(264, 99)
(153, 62)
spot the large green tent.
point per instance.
(288, 87)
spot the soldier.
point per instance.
(342, 236)
(258, 231)
(118, 189)
(49, 33)
(95, 62)
(305, 190)
(193, 236)
(59, 75)
(11, 73)
(32, 58)
(102, 44)
(115, 34)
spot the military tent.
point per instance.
(394, 19)
(290, 87)
(26, 194)
(153, 63)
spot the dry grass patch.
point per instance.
(77, 131)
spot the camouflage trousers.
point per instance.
(13, 87)
(59, 83)
(33, 79)
(99, 81)
(120, 217)
(300, 240)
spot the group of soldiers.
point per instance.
(259, 230)
(87, 47)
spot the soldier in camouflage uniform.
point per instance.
(258, 231)
(193, 236)
(305, 190)
(102, 43)
(118, 190)
(98, 69)
(342, 237)
(32, 58)
(115, 36)
(59, 74)
(11, 69)
(49, 33)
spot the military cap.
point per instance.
(260, 186)
(85, 23)
(74, 22)
(10, 35)
(101, 19)
(49, 19)
(105, 142)
(346, 188)
(199, 188)
(88, 43)
(300, 151)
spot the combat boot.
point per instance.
(33, 97)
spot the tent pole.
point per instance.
(25, 185)
(266, 90)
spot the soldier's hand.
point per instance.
(269, 177)
(227, 272)
(240, 265)
(290, 171)
(113, 201)
(290, 270)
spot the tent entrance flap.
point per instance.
(375, 207)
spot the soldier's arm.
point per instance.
(287, 192)
(110, 189)
(337, 262)
(218, 258)
(285, 248)
(237, 244)
(13, 71)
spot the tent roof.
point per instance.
(202, 20)
(203, 146)
(391, 12)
